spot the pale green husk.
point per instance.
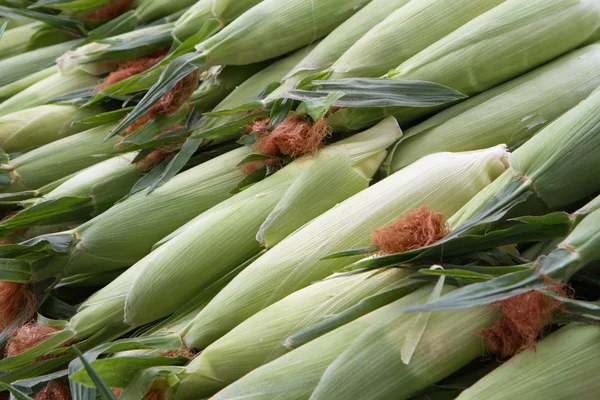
(257, 34)
(46, 90)
(559, 163)
(404, 33)
(32, 62)
(221, 11)
(37, 126)
(58, 159)
(444, 182)
(260, 338)
(23, 83)
(510, 113)
(508, 40)
(14, 41)
(563, 366)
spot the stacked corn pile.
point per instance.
(299, 199)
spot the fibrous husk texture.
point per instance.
(418, 228)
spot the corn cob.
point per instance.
(260, 338)
(402, 35)
(84, 195)
(515, 37)
(561, 367)
(37, 126)
(57, 160)
(511, 113)
(46, 90)
(207, 11)
(23, 65)
(286, 268)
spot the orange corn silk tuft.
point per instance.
(523, 319)
(418, 228)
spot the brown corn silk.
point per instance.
(418, 228)
(15, 300)
(294, 137)
(54, 390)
(109, 11)
(523, 319)
(170, 103)
(27, 336)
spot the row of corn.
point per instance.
(299, 199)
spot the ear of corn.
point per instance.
(31, 62)
(513, 37)
(296, 374)
(260, 338)
(372, 366)
(562, 366)
(124, 234)
(149, 10)
(11, 89)
(343, 37)
(540, 163)
(84, 195)
(443, 181)
(510, 113)
(211, 256)
(37, 126)
(46, 90)
(401, 35)
(57, 160)
(14, 41)
(222, 11)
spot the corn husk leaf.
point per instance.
(572, 352)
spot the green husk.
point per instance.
(37, 126)
(46, 90)
(14, 41)
(548, 162)
(510, 113)
(206, 11)
(563, 366)
(57, 160)
(371, 366)
(444, 182)
(337, 42)
(22, 65)
(260, 338)
(403, 34)
(149, 10)
(23, 83)
(514, 37)
(199, 254)
(297, 374)
(84, 195)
